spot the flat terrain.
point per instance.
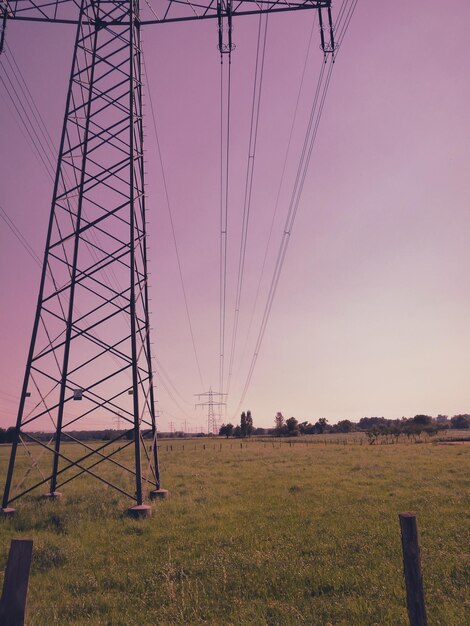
(264, 534)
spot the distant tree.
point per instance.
(345, 426)
(226, 430)
(365, 423)
(9, 434)
(243, 425)
(432, 429)
(321, 426)
(395, 430)
(306, 428)
(422, 420)
(292, 427)
(411, 428)
(460, 422)
(279, 423)
(249, 424)
(237, 431)
(372, 434)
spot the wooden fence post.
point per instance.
(15, 584)
(412, 570)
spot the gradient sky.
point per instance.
(371, 313)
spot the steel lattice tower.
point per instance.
(210, 404)
(89, 360)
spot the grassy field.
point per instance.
(302, 534)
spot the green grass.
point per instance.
(303, 534)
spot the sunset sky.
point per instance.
(371, 316)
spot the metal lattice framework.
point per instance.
(90, 354)
(210, 403)
(155, 11)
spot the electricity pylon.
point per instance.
(210, 404)
(90, 344)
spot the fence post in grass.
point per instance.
(15, 583)
(412, 570)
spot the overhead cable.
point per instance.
(315, 116)
(224, 202)
(309, 142)
(250, 168)
(173, 232)
(280, 186)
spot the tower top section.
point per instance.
(153, 12)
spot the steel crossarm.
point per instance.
(156, 12)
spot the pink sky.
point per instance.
(371, 313)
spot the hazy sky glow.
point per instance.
(371, 313)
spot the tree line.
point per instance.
(372, 426)
(244, 429)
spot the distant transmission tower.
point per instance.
(117, 420)
(89, 359)
(210, 404)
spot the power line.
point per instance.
(170, 214)
(255, 111)
(171, 396)
(224, 197)
(170, 382)
(34, 109)
(43, 147)
(23, 241)
(19, 107)
(281, 183)
(349, 8)
(309, 142)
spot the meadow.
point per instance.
(263, 534)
